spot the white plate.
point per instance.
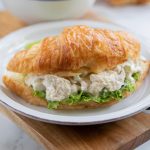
(13, 42)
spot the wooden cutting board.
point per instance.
(124, 135)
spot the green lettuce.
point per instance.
(28, 46)
(41, 94)
(53, 104)
(136, 76)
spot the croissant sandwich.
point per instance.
(82, 67)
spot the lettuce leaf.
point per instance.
(53, 104)
(73, 98)
(41, 94)
(136, 76)
(129, 87)
(28, 46)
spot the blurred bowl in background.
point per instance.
(33, 11)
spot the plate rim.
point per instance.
(35, 114)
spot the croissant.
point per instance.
(82, 67)
(77, 49)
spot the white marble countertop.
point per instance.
(13, 138)
(137, 18)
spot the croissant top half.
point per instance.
(77, 49)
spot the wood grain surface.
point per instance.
(123, 135)
(9, 23)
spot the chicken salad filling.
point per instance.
(100, 87)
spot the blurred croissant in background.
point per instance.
(124, 2)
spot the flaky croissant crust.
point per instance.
(77, 49)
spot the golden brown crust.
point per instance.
(19, 88)
(77, 49)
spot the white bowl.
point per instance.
(32, 11)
